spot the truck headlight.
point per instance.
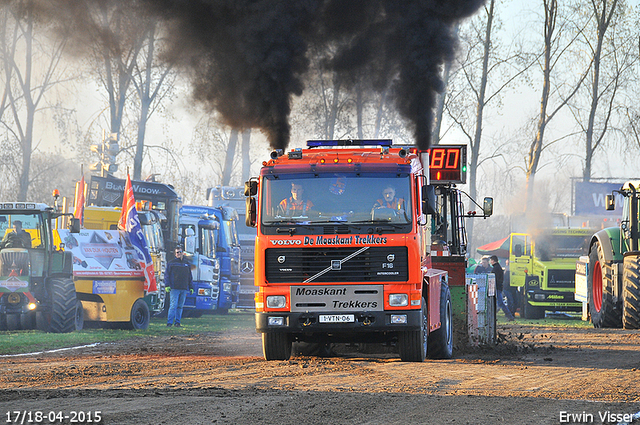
(226, 286)
(206, 292)
(398, 300)
(276, 301)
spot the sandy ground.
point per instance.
(533, 376)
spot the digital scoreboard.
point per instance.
(448, 164)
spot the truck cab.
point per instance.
(342, 250)
(231, 196)
(227, 248)
(542, 267)
(199, 237)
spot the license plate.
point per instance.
(336, 318)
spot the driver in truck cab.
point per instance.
(389, 200)
(295, 205)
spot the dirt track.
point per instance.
(532, 376)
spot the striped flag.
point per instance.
(130, 223)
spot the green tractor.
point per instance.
(36, 278)
(613, 275)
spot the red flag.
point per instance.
(130, 223)
(127, 202)
(79, 201)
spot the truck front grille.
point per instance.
(372, 264)
(561, 278)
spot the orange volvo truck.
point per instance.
(342, 250)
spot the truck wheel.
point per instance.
(3, 322)
(140, 316)
(631, 293)
(276, 346)
(605, 313)
(440, 341)
(63, 305)
(412, 345)
(13, 322)
(79, 315)
(529, 311)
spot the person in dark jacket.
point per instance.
(496, 269)
(484, 266)
(178, 281)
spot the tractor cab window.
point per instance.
(21, 231)
(23, 244)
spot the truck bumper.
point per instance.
(364, 322)
(559, 300)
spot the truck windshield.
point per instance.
(561, 246)
(310, 199)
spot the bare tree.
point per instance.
(150, 81)
(31, 68)
(485, 70)
(612, 56)
(554, 49)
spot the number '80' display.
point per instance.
(448, 164)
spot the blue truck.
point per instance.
(199, 237)
(233, 196)
(227, 248)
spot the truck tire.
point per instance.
(276, 346)
(140, 316)
(440, 341)
(631, 293)
(412, 345)
(3, 322)
(529, 311)
(63, 305)
(605, 312)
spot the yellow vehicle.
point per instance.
(106, 218)
(110, 288)
(542, 268)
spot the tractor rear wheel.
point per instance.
(276, 346)
(605, 312)
(63, 305)
(631, 292)
(440, 341)
(412, 345)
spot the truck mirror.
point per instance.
(487, 207)
(251, 188)
(610, 202)
(190, 244)
(429, 200)
(74, 225)
(251, 212)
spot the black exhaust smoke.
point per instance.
(247, 58)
